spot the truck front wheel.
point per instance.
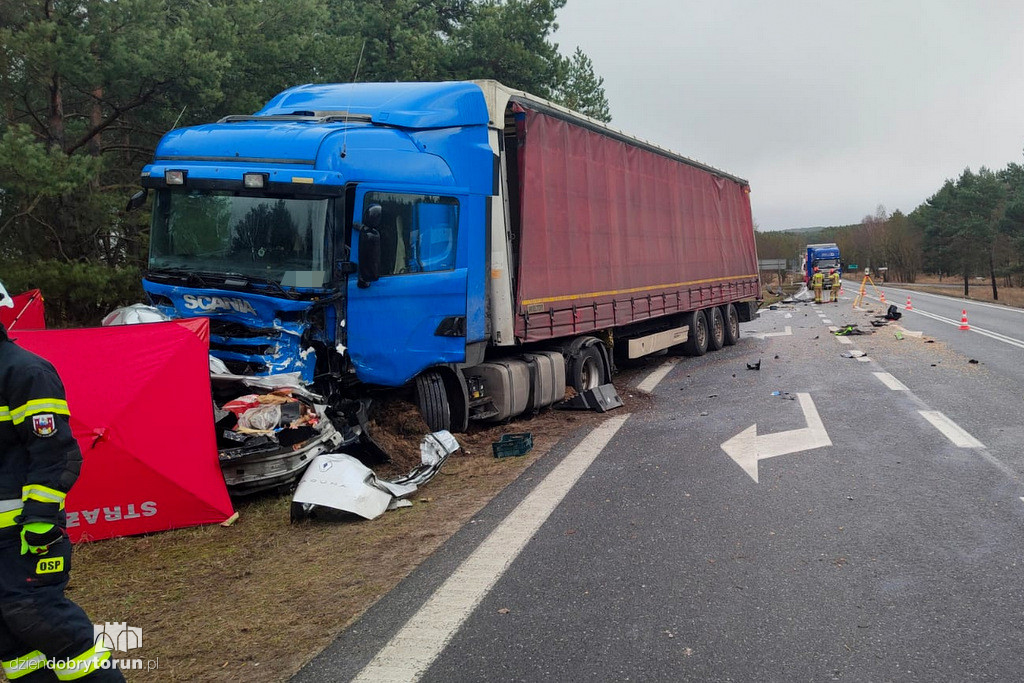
(432, 399)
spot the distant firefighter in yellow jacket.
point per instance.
(818, 283)
(833, 277)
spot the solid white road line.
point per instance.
(986, 333)
(409, 654)
(890, 381)
(1012, 341)
(656, 376)
(951, 430)
(961, 300)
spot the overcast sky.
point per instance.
(828, 108)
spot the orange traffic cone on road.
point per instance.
(883, 298)
(909, 307)
(963, 321)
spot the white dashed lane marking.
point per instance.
(890, 381)
(951, 430)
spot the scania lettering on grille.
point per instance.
(213, 304)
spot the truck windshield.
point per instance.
(217, 231)
(827, 263)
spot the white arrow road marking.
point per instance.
(788, 332)
(951, 430)
(890, 381)
(656, 376)
(747, 447)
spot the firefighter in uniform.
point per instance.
(833, 277)
(39, 461)
(817, 282)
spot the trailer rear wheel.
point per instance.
(732, 325)
(586, 369)
(432, 399)
(716, 328)
(696, 343)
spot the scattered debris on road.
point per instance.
(512, 445)
(340, 482)
(600, 399)
(754, 366)
(893, 313)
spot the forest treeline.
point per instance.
(88, 87)
(972, 226)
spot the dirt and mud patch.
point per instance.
(256, 600)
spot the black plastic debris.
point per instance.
(973, 362)
(600, 399)
(754, 366)
(893, 313)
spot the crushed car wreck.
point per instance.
(266, 439)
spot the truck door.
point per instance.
(414, 316)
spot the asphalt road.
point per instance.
(880, 540)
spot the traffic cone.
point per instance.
(963, 321)
(909, 307)
(883, 298)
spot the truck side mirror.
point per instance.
(136, 200)
(369, 255)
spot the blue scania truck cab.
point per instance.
(256, 220)
(824, 257)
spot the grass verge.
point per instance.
(256, 600)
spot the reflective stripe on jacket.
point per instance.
(39, 457)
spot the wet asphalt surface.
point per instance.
(891, 555)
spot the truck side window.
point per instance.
(417, 232)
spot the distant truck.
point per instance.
(475, 244)
(824, 257)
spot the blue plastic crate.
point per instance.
(511, 445)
